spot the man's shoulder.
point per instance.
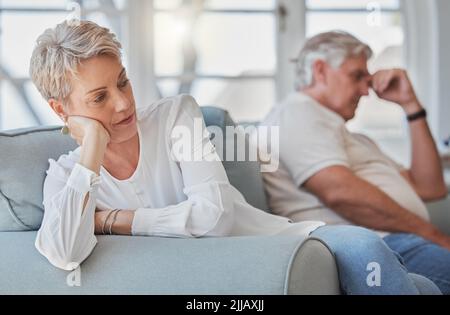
(297, 109)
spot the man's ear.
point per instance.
(319, 71)
(58, 108)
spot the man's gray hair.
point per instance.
(332, 47)
(59, 51)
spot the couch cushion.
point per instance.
(244, 175)
(24, 158)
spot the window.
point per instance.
(378, 23)
(222, 52)
(21, 22)
(228, 53)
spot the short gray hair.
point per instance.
(59, 51)
(332, 47)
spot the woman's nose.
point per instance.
(121, 103)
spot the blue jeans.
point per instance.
(366, 265)
(423, 257)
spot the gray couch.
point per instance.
(147, 265)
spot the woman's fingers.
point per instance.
(78, 126)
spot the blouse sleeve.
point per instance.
(209, 209)
(66, 236)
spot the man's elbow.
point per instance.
(438, 193)
(442, 192)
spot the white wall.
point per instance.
(427, 53)
(443, 13)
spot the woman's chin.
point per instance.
(123, 135)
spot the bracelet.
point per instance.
(113, 221)
(420, 114)
(106, 220)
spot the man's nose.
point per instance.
(365, 90)
(366, 85)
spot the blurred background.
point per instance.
(236, 54)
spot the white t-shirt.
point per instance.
(172, 197)
(312, 138)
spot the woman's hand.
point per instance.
(82, 128)
(93, 139)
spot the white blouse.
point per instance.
(172, 196)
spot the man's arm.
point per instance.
(364, 204)
(426, 174)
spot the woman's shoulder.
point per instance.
(168, 107)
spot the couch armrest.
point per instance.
(148, 265)
(440, 214)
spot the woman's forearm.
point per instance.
(93, 149)
(123, 223)
(120, 224)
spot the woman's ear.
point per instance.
(58, 108)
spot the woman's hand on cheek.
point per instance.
(82, 128)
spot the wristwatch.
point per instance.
(417, 115)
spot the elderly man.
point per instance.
(330, 174)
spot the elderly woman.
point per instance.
(124, 177)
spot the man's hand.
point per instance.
(394, 86)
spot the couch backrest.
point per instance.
(244, 175)
(24, 155)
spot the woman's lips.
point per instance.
(127, 120)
